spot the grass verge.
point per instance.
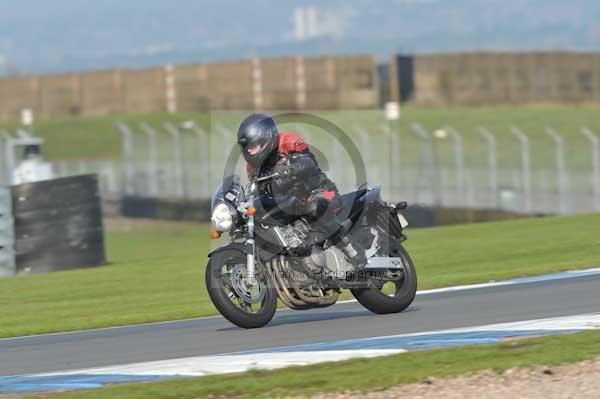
(362, 374)
(157, 270)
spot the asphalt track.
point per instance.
(528, 300)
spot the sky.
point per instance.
(41, 36)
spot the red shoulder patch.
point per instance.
(291, 142)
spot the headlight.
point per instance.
(222, 216)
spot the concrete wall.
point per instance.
(102, 93)
(279, 83)
(496, 78)
(19, 93)
(144, 91)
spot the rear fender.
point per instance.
(373, 195)
(368, 200)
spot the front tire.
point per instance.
(405, 291)
(227, 291)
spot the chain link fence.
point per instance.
(443, 168)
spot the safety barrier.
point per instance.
(58, 225)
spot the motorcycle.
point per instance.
(273, 253)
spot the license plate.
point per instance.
(403, 221)
(384, 262)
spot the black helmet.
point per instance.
(258, 129)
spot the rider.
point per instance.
(267, 151)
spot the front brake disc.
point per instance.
(254, 293)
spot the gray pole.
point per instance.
(525, 167)
(364, 137)
(204, 157)
(492, 164)
(561, 171)
(4, 167)
(595, 148)
(227, 135)
(459, 159)
(335, 165)
(395, 168)
(429, 163)
(364, 150)
(152, 164)
(7, 234)
(180, 186)
(128, 165)
(109, 168)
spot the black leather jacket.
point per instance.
(307, 178)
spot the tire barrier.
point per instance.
(58, 225)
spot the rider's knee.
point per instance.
(317, 208)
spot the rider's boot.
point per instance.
(352, 250)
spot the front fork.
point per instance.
(250, 259)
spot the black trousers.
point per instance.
(320, 210)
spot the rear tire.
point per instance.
(218, 286)
(380, 303)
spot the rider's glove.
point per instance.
(287, 170)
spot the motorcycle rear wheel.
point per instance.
(375, 300)
(243, 305)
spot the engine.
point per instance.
(293, 236)
(311, 262)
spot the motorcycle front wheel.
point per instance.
(403, 290)
(245, 305)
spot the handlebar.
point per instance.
(267, 177)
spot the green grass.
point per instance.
(362, 374)
(154, 274)
(474, 253)
(157, 272)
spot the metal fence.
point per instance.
(7, 234)
(443, 167)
